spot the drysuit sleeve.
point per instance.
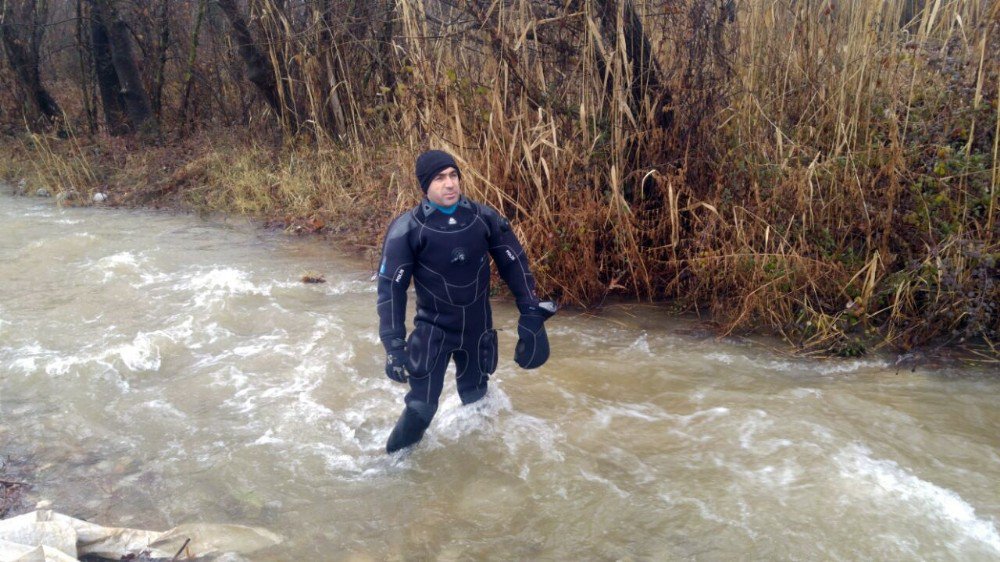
(395, 271)
(512, 262)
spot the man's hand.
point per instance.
(395, 361)
(532, 349)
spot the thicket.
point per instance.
(827, 170)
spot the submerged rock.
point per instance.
(42, 192)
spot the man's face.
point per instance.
(444, 189)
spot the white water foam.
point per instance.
(141, 354)
(148, 278)
(268, 439)
(890, 482)
(853, 366)
(701, 415)
(778, 478)
(164, 407)
(118, 264)
(829, 367)
(347, 287)
(591, 477)
(721, 358)
(756, 424)
(641, 344)
(706, 512)
(454, 421)
(26, 365)
(644, 412)
(523, 430)
(26, 357)
(217, 284)
(74, 237)
(581, 339)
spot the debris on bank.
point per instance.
(11, 496)
(313, 277)
(12, 489)
(46, 536)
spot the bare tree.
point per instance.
(162, 45)
(192, 55)
(107, 79)
(136, 100)
(21, 32)
(260, 71)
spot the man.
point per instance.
(444, 245)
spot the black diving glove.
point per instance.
(532, 349)
(395, 361)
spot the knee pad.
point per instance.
(488, 352)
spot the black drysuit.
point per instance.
(447, 256)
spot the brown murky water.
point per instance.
(160, 369)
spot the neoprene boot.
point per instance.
(474, 395)
(409, 429)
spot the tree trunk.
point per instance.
(327, 52)
(86, 86)
(22, 54)
(385, 53)
(192, 54)
(163, 20)
(136, 99)
(645, 71)
(107, 79)
(259, 69)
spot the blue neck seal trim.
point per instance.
(445, 210)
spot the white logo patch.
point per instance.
(452, 221)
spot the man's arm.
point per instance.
(512, 262)
(532, 349)
(394, 274)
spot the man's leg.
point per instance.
(421, 405)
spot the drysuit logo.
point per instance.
(511, 255)
(399, 275)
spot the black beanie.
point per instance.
(432, 162)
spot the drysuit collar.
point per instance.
(427, 207)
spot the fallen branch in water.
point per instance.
(183, 546)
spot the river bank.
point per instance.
(349, 197)
(827, 175)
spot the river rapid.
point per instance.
(159, 369)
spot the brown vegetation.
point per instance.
(825, 170)
(13, 489)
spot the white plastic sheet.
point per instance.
(46, 536)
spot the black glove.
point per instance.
(532, 349)
(395, 361)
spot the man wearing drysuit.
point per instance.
(444, 245)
